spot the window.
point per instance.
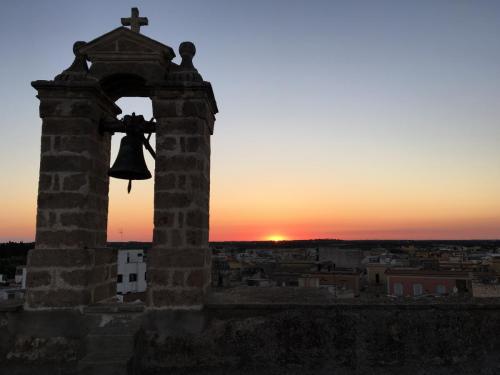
(418, 290)
(132, 277)
(398, 289)
(119, 279)
(441, 289)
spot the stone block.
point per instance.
(181, 182)
(164, 181)
(44, 258)
(53, 239)
(75, 277)
(80, 144)
(113, 271)
(52, 218)
(99, 185)
(44, 181)
(193, 108)
(105, 256)
(197, 219)
(46, 144)
(165, 108)
(199, 182)
(41, 219)
(100, 167)
(178, 278)
(98, 275)
(65, 163)
(165, 143)
(180, 220)
(163, 218)
(167, 200)
(68, 108)
(56, 183)
(70, 126)
(80, 220)
(180, 126)
(193, 144)
(159, 237)
(36, 279)
(177, 298)
(57, 298)
(104, 291)
(101, 235)
(175, 238)
(196, 237)
(197, 278)
(67, 200)
(178, 163)
(158, 276)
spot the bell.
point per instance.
(130, 163)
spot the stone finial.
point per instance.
(185, 71)
(79, 69)
(187, 50)
(134, 21)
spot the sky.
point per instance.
(337, 119)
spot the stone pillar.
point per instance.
(179, 261)
(70, 265)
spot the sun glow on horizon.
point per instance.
(276, 237)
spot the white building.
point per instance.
(131, 271)
(9, 293)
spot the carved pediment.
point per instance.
(122, 44)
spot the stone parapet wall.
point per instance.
(442, 338)
(445, 339)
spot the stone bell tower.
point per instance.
(71, 266)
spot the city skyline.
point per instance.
(352, 121)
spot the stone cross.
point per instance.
(134, 21)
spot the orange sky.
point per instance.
(353, 199)
(336, 121)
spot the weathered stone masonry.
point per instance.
(71, 266)
(179, 263)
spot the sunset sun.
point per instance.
(276, 237)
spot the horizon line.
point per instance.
(309, 239)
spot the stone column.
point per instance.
(179, 261)
(70, 265)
